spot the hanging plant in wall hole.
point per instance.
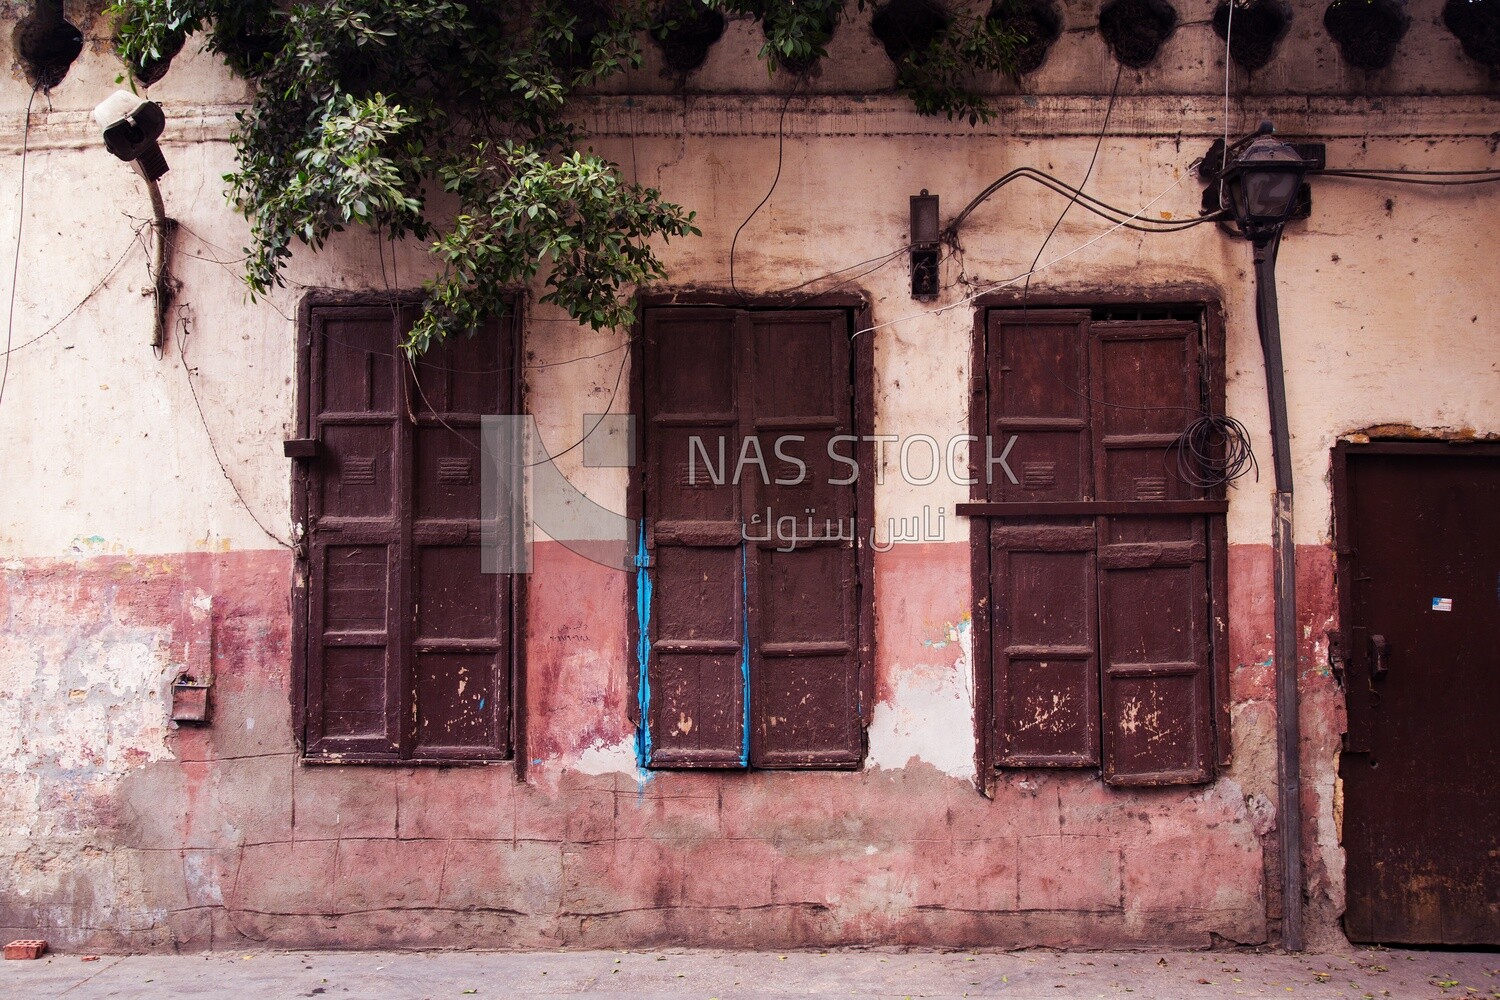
(1367, 31)
(1476, 25)
(1258, 26)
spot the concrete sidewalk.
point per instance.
(703, 975)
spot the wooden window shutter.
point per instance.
(408, 650)
(1153, 582)
(1045, 687)
(803, 608)
(354, 542)
(752, 657)
(696, 676)
(1101, 633)
(461, 617)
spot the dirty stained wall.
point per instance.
(126, 554)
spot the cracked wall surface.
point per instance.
(145, 837)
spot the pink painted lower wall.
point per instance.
(120, 832)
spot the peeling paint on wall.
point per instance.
(926, 708)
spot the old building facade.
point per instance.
(949, 729)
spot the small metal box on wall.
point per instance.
(192, 701)
(925, 235)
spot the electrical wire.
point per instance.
(417, 382)
(780, 147)
(187, 373)
(619, 377)
(884, 259)
(1109, 108)
(1100, 208)
(134, 242)
(15, 268)
(506, 369)
(547, 458)
(1006, 283)
(1404, 172)
(1228, 34)
(1212, 452)
(1490, 177)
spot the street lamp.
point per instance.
(1262, 183)
(1259, 186)
(132, 125)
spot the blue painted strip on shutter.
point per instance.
(643, 647)
(745, 653)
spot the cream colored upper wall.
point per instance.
(1383, 309)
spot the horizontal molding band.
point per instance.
(1024, 116)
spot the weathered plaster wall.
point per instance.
(125, 554)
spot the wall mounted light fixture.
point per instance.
(131, 127)
(924, 246)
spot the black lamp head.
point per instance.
(131, 127)
(1260, 183)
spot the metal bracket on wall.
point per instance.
(1336, 655)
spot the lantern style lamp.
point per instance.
(132, 125)
(1261, 183)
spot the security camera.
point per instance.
(131, 127)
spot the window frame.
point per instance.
(510, 325)
(1206, 306)
(862, 358)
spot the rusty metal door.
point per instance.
(1419, 542)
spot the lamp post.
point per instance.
(131, 127)
(1259, 187)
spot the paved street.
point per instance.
(703, 975)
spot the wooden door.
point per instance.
(1419, 538)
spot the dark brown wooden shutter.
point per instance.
(408, 642)
(694, 680)
(803, 594)
(461, 617)
(1153, 581)
(751, 654)
(1100, 627)
(1045, 687)
(355, 506)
